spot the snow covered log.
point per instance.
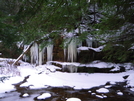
(24, 52)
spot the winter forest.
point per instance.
(66, 50)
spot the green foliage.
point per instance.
(117, 24)
(32, 20)
(117, 53)
(8, 31)
(116, 14)
(8, 34)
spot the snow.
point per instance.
(44, 96)
(108, 86)
(99, 49)
(99, 96)
(93, 93)
(119, 93)
(131, 47)
(102, 90)
(97, 64)
(26, 95)
(46, 75)
(73, 99)
(132, 89)
(104, 96)
(7, 85)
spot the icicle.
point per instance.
(72, 68)
(50, 53)
(34, 54)
(65, 51)
(25, 57)
(89, 42)
(72, 51)
(41, 55)
(64, 68)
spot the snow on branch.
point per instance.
(99, 49)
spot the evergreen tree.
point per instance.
(8, 31)
(38, 18)
(117, 24)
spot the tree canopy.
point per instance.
(30, 20)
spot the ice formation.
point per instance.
(49, 52)
(89, 42)
(72, 50)
(34, 54)
(70, 68)
(25, 57)
(41, 55)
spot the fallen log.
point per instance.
(24, 52)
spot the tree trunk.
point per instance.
(24, 52)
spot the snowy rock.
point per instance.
(108, 86)
(25, 95)
(132, 89)
(73, 99)
(44, 96)
(93, 93)
(119, 93)
(102, 90)
(99, 96)
(99, 49)
(104, 96)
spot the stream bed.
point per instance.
(115, 92)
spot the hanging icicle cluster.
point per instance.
(37, 54)
(25, 57)
(72, 50)
(49, 52)
(34, 54)
(89, 42)
(41, 55)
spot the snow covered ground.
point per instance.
(46, 75)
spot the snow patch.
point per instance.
(44, 96)
(25, 95)
(73, 99)
(132, 89)
(102, 90)
(119, 93)
(99, 96)
(108, 86)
